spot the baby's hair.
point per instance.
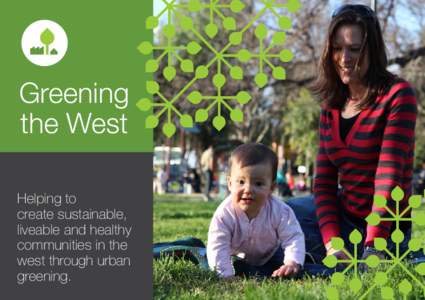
(252, 154)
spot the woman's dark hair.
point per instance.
(328, 86)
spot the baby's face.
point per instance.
(250, 187)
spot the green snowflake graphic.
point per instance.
(167, 110)
(373, 261)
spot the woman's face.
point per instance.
(346, 47)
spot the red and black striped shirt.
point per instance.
(376, 156)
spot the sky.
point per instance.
(158, 5)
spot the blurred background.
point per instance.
(282, 114)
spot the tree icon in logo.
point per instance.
(46, 37)
(44, 43)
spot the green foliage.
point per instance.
(300, 125)
(420, 144)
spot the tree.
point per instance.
(269, 114)
(47, 37)
(268, 103)
(301, 126)
(413, 72)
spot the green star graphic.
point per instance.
(395, 261)
(165, 110)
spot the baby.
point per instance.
(252, 224)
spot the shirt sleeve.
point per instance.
(325, 185)
(395, 165)
(219, 246)
(292, 238)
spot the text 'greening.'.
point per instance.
(31, 93)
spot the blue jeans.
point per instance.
(242, 268)
(305, 211)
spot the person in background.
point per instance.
(196, 181)
(282, 185)
(207, 164)
(162, 179)
(290, 180)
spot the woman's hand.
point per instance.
(288, 269)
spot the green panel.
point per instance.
(102, 50)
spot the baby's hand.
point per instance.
(288, 269)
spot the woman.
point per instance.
(366, 137)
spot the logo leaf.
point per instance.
(219, 122)
(186, 121)
(47, 37)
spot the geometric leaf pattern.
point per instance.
(395, 260)
(166, 110)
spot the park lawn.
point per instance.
(175, 218)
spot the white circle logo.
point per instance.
(44, 43)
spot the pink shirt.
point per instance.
(232, 233)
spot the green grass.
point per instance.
(176, 217)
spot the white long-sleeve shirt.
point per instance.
(232, 233)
